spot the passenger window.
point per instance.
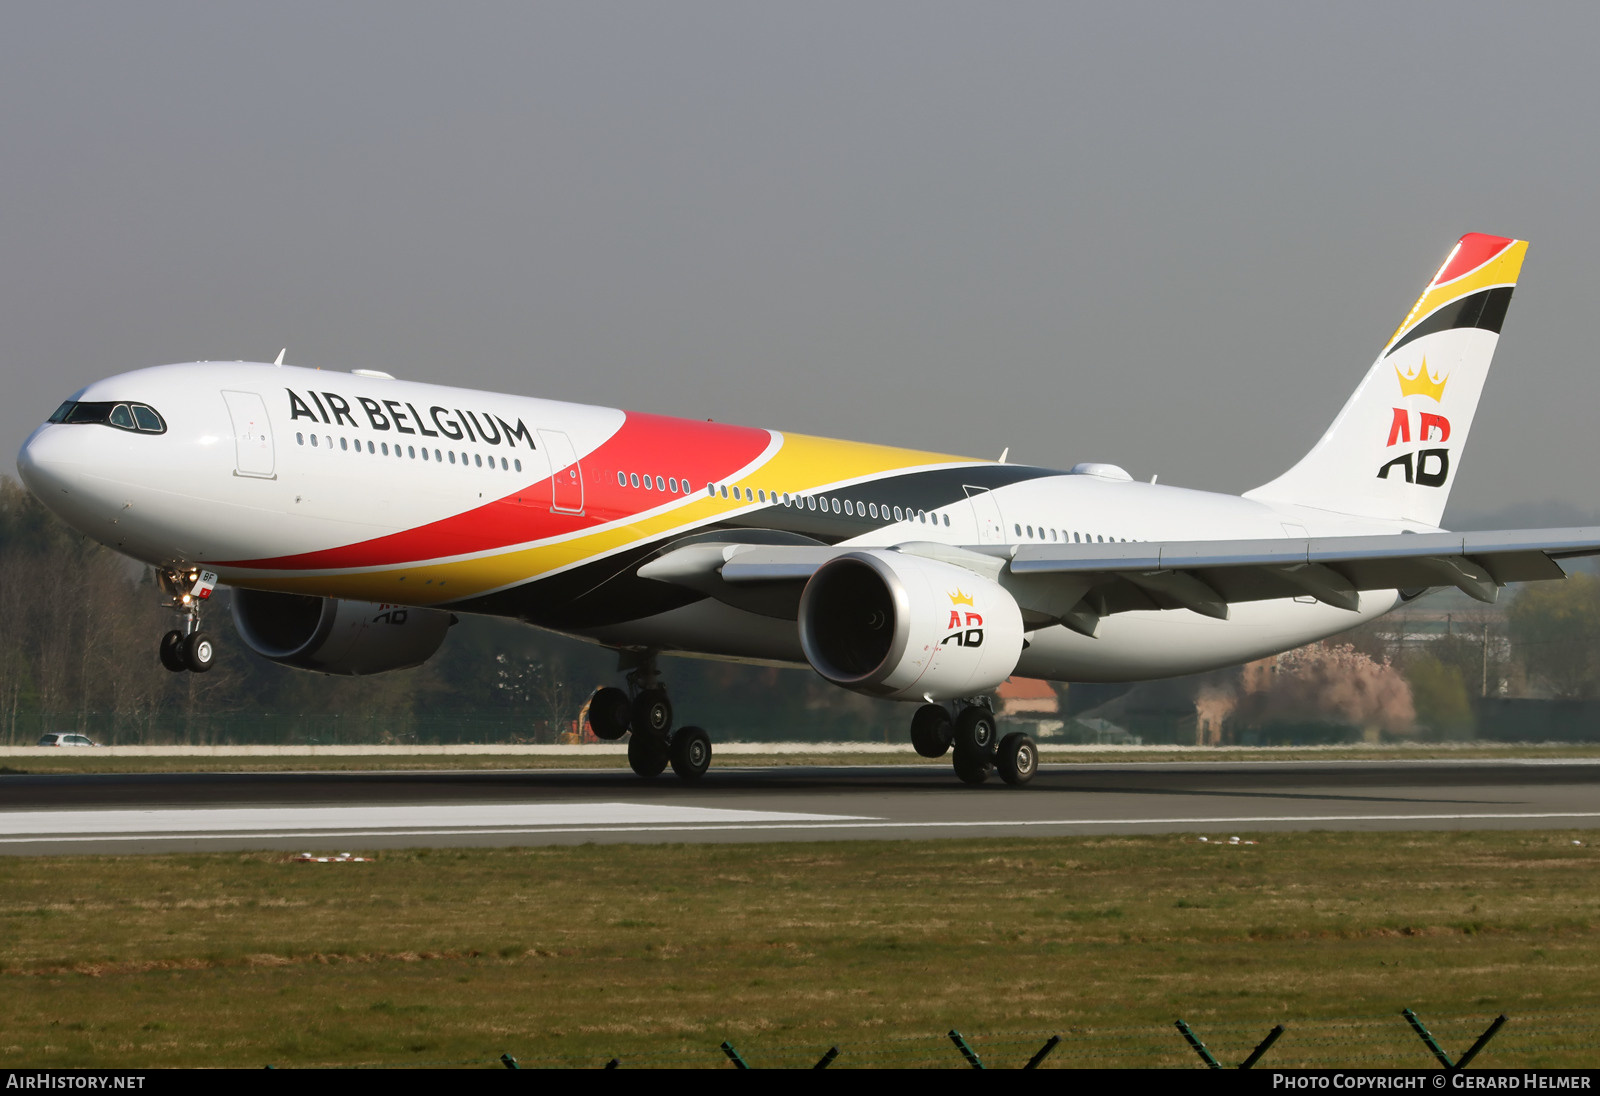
(344, 443)
(724, 490)
(452, 456)
(313, 441)
(661, 484)
(947, 521)
(477, 459)
(412, 450)
(647, 486)
(299, 438)
(672, 484)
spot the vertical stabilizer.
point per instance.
(1394, 450)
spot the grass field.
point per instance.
(94, 761)
(655, 954)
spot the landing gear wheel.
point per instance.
(172, 652)
(975, 733)
(1018, 759)
(647, 754)
(970, 770)
(198, 652)
(691, 753)
(652, 714)
(932, 731)
(609, 713)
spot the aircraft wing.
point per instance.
(1077, 584)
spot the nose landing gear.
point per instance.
(653, 744)
(186, 647)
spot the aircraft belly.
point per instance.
(708, 627)
(1140, 646)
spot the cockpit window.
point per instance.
(138, 417)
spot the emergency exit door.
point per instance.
(252, 435)
(566, 474)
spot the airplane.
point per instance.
(355, 514)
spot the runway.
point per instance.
(343, 810)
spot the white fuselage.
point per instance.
(363, 487)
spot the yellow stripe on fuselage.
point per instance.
(801, 464)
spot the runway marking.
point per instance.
(419, 819)
(795, 822)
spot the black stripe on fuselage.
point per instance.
(1485, 310)
(607, 591)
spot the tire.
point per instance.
(199, 652)
(971, 770)
(651, 714)
(690, 752)
(1018, 759)
(647, 755)
(976, 733)
(172, 652)
(609, 714)
(932, 731)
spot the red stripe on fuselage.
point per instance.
(701, 452)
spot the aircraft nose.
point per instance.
(49, 462)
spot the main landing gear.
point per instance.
(973, 739)
(647, 713)
(186, 647)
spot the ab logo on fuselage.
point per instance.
(968, 627)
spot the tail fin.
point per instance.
(1394, 450)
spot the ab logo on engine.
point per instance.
(968, 632)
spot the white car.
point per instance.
(66, 740)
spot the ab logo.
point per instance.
(1426, 467)
(967, 632)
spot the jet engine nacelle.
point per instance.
(337, 637)
(900, 626)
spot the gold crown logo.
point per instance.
(959, 598)
(1421, 383)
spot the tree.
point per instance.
(1555, 630)
(1439, 693)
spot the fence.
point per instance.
(1401, 1040)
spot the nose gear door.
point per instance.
(252, 434)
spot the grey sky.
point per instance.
(1167, 235)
